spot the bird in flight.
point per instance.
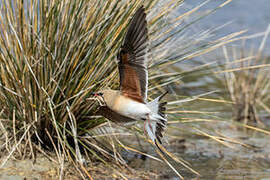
(129, 104)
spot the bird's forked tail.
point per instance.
(156, 122)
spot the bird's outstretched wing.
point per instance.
(132, 61)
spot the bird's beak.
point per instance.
(93, 94)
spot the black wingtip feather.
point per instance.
(162, 106)
(161, 125)
(137, 30)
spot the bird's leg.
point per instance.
(149, 132)
(147, 120)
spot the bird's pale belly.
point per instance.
(131, 108)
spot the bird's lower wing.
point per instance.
(113, 116)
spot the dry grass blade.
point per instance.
(216, 138)
(169, 164)
(139, 152)
(182, 162)
(257, 129)
(244, 68)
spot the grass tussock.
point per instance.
(247, 79)
(54, 53)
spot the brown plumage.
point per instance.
(132, 61)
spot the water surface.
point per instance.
(252, 15)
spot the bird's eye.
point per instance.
(100, 94)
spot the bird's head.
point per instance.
(105, 97)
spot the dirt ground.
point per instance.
(45, 169)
